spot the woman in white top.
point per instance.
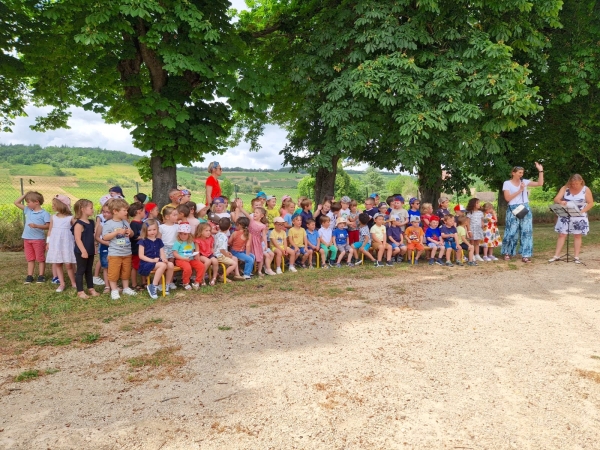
(577, 192)
(515, 193)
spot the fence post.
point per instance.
(137, 187)
(23, 193)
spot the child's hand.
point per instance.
(156, 260)
(33, 225)
(84, 254)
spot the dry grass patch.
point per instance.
(589, 374)
(163, 363)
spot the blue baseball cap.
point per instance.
(373, 195)
(261, 194)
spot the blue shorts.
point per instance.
(395, 246)
(301, 250)
(450, 244)
(358, 245)
(103, 252)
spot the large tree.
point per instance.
(399, 84)
(166, 69)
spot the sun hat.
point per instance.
(184, 227)
(345, 199)
(341, 220)
(64, 199)
(278, 220)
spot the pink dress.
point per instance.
(256, 230)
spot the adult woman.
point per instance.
(577, 192)
(213, 189)
(515, 193)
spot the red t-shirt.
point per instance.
(205, 246)
(216, 187)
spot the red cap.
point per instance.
(150, 206)
(432, 218)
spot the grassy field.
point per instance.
(34, 315)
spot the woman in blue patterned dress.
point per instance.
(515, 193)
(577, 192)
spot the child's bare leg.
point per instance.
(159, 269)
(231, 268)
(57, 268)
(341, 256)
(388, 247)
(97, 269)
(42, 268)
(323, 256)
(418, 255)
(71, 274)
(367, 254)
(215, 268)
(350, 255)
(105, 276)
(292, 254)
(30, 267)
(380, 252)
(476, 246)
(448, 252)
(277, 257)
(133, 277)
(471, 253)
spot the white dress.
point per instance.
(61, 247)
(476, 225)
(578, 225)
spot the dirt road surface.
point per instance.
(498, 357)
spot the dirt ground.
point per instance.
(497, 357)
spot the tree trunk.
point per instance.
(325, 181)
(163, 179)
(502, 207)
(430, 181)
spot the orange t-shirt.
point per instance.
(414, 234)
(238, 243)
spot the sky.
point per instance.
(89, 130)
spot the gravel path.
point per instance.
(432, 358)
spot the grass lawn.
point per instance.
(34, 315)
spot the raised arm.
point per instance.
(540, 181)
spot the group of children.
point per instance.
(138, 239)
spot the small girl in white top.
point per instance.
(168, 230)
(60, 242)
(476, 225)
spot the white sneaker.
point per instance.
(478, 258)
(187, 287)
(196, 286)
(358, 262)
(129, 291)
(98, 281)
(270, 272)
(247, 277)
(486, 259)
(172, 286)
(293, 269)
(114, 295)
(278, 271)
(493, 258)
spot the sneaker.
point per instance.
(338, 265)
(478, 258)
(358, 262)
(29, 279)
(41, 279)
(471, 263)
(60, 289)
(311, 267)
(292, 269)
(270, 272)
(493, 258)
(458, 263)
(577, 261)
(278, 271)
(55, 280)
(247, 277)
(171, 286)
(431, 261)
(114, 295)
(389, 263)
(152, 291)
(195, 286)
(378, 264)
(187, 287)
(449, 264)
(486, 259)
(439, 262)
(98, 281)
(350, 264)
(129, 291)
(416, 262)
(399, 259)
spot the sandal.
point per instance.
(526, 260)
(106, 290)
(82, 295)
(93, 293)
(506, 257)
(139, 288)
(213, 282)
(554, 258)
(576, 260)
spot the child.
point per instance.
(306, 213)
(184, 253)
(258, 234)
(426, 213)
(205, 243)
(60, 241)
(85, 248)
(414, 210)
(334, 214)
(299, 208)
(462, 241)
(298, 240)
(312, 241)
(442, 210)
(136, 212)
(433, 239)
(182, 213)
(345, 211)
(151, 210)
(186, 196)
(379, 241)
(288, 209)
(326, 240)
(272, 210)
(364, 243)
(117, 232)
(279, 245)
(240, 244)
(383, 210)
(450, 237)
(370, 210)
(168, 232)
(353, 224)
(340, 234)
(106, 214)
(394, 237)
(223, 255)
(191, 218)
(475, 225)
(174, 196)
(220, 208)
(397, 206)
(323, 210)
(491, 236)
(113, 192)
(36, 221)
(140, 198)
(459, 210)
(152, 257)
(414, 238)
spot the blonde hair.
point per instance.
(487, 206)
(79, 206)
(426, 206)
(147, 224)
(189, 240)
(442, 200)
(263, 211)
(575, 177)
(33, 196)
(116, 204)
(168, 210)
(61, 208)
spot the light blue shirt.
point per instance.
(41, 217)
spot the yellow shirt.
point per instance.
(297, 236)
(280, 238)
(271, 214)
(462, 234)
(379, 232)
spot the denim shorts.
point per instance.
(450, 244)
(103, 253)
